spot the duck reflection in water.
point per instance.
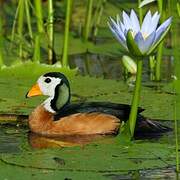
(40, 142)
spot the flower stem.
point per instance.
(136, 97)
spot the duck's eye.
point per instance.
(47, 80)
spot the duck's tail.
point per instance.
(149, 127)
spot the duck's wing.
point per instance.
(144, 126)
(121, 111)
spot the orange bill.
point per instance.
(35, 91)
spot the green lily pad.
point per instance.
(109, 157)
(15, 83)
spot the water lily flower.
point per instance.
(139, 40)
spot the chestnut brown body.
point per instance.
(41, 121)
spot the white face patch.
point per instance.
(47, 86)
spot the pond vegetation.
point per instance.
(73, 37)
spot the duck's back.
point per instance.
(86, 124)
(121, 111)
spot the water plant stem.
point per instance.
(140, 12)
(136, 97)
(176, 53)
(152, 66)
(39, 15)
(178, 8)
(176, 136)
(50, 31)
(98, 17)
(96, 12)
(87, 26)
(1, 37)
(160, 48)
(158, 62)
(40, 28)
(160, 6)
(20, 26)
(37, 53)
(66, 34)
(14, 23)
(27, 6)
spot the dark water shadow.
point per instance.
(111, 67)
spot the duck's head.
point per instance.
(56, 86)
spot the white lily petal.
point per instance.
(117, 29)
(122, 26)
(146, 25)
(118, 34)
(134, 21)
(148, 42)
(113, 22)
(139, 40)
(118, 19)
(162, 28)
(126, 21)
(155, 21)
(115, 25)
(119, 23)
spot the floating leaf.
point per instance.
(110, 158)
